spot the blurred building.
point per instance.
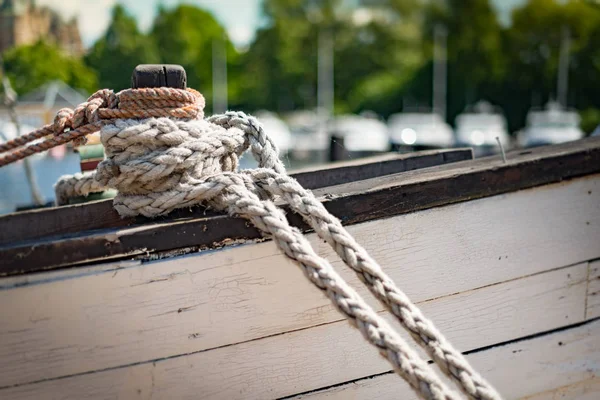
(39, 107)
(35, 109)
(23, 22)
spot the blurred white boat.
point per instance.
(419, 131)
(309, 131)
(362, 135)
(310, 141)
(550, 126)
(479, 126)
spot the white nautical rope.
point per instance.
(329, 228)
(160, 164)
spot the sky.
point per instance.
(241, 18)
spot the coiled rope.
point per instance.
(101, 108)
(161, 155)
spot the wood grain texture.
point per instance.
(593, 289)
(69, 220)
(585, 390)
(430, 254)
(563, 365)
(274, 366)
(339, 173)
(355, 202)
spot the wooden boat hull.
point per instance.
(510, 274)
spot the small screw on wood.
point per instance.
(501, 149)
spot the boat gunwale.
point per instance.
(16, 227)
(353, 202)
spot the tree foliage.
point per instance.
(186, 35)
(382, 51)
(29, 67)
(120, 50)
(376, 50)
(474, 39)
(533, 43)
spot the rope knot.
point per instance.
(85, 113)
(159, 164)
(102, 108)
(161, 156)
(62, 121)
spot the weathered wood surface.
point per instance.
(61, 221)
(593, 290)
(247, 292)
(158, 75)
(280, 365)
(585, 390)
(338, 173)
(562, 365)
(353, 202)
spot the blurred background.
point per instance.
(330, 79)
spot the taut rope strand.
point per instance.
(103, 106)
(159, 164)
(329, 228)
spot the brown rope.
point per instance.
(104, 105)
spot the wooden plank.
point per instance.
(189, 235)
(560, 365)
(384, 197)
(498, 239)
(64, 221)
(432, 187)
(100, 330)
(593, 290)
(350, 171)
(386, 387)
(585, 390)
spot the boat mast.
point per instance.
(325, 90)
(440, 71)
(563, 68)
(219, 75)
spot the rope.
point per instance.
(103, 106)
(329, 228)
(161, 163)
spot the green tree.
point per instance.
(376, 49)
(280, 68)
(120, 50)
(382, 55)
(584, 77)
(533, 42)
(185, 35)
(476, 61)
(29, 67)
(263, 82)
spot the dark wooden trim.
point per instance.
(353, 202)
(158, 75)
(62, 221)
(351, 171)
